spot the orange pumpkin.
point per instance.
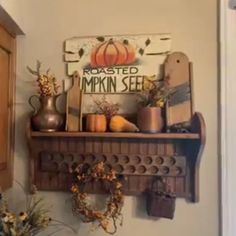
(96, 123)
(111, 53)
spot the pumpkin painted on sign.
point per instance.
(96, 123)
(111, 53)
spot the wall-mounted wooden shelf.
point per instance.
(117, 135)
(136, 156)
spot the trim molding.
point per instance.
(8, 23)
(228, 118)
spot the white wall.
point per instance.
(193, 25)
(16, 9)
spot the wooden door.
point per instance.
(7, 64)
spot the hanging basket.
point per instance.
(160, 202)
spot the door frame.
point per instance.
(8, 44)
(9, 24)
(228, 118)
(9, 30)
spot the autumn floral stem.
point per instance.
(64, 224)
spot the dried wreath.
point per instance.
(84, 210)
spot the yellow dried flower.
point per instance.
(47, 83)
(160, 103)
(23, 216)
(35, 219)
(105, 223)
(98, 214)
(155, 91)
(99, 167)
(5, 217)
(148, 82)
(74, 189)
(118, 185)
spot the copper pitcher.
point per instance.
(150, 120)
(47, 118)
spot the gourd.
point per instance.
(120, 124)
(111, 53)
(96, 123)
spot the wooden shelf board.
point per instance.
(118, 135)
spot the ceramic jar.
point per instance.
(150, 120)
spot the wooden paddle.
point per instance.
(180, 105)
(74, 104)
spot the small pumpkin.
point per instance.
(96, 123)
(120, 124)
(111, 53)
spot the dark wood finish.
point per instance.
(136, 157)
(3, 166)
(196, 151)
(118, 135)
(7, 91)
(132, 164)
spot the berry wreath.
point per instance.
(107, 219)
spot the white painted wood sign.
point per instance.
(116, 64)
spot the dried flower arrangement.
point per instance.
(155, 92)
(47, 83)
(34, 220)
(106, 107)
(108, 218)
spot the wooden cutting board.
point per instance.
(180, 104)
(74, 104)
